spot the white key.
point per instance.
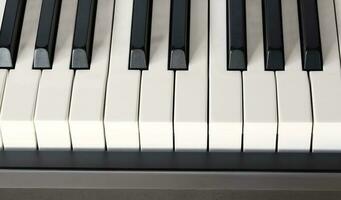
(21, 88)
(225, 92)
(190, 111)
(88, 93)
(156, 98)
(54, 93)
(325, 85)
(293, 89)
(259, 88)
(123, 87)
(3, 73)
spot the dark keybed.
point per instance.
(172, 161)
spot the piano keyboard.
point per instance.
(170, 75)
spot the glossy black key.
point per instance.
(179, 35)
(46, 35)
(237, 52)
(10, 32)
(312, 59)
(273, 35)
(140, 34)
(83, 36)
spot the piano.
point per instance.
(170, 94)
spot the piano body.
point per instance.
(170, 94)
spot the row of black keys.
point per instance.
(273, 35)
(179, 34)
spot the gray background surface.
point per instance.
(40, 194)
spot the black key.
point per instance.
(10, 32)
(84, 33)
(140, 34)
(46, 35)
(312, 59)
(179, 35)
(236, 35)
(273, 35)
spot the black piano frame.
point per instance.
(171, 161)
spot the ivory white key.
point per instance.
(325, 85)
(3, 73)
(123, 87)
(259, 88)
(20, 93)
(225, 97)
(88, 93)
(156, 98)
(293, 89)
(54, 93)
(190, 106)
